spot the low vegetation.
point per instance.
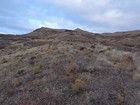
(72, 68)
(36, 82)
(88, 52)
(15, 82)
(120, 98)
(36, 69)
(77, 85)
(136, 76)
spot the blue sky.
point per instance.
(23, 16)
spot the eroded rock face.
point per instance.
(70, 67)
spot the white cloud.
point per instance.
(55, 22)
(107, 14)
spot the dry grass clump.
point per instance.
(36, 82)
(15, 82)
(125, 63)
(36, 69)
(51, 50)
(77, 85)
(55, 61)
(88, 52)
(113, 58)
(71, 71)
(121, 66)
(72, 68)
(17, 64)
(127, 58)
(90, 69)
(65, 48)
(119, 59)
(136, 77)
(89, 95)
(108, 54)
(120, 98)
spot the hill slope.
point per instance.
(70, 67)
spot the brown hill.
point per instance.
(70, 67)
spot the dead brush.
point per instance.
(88, 52)
(128, 58)
(71, 71)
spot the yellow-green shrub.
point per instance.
(77, 85)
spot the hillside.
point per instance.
(70, 67)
